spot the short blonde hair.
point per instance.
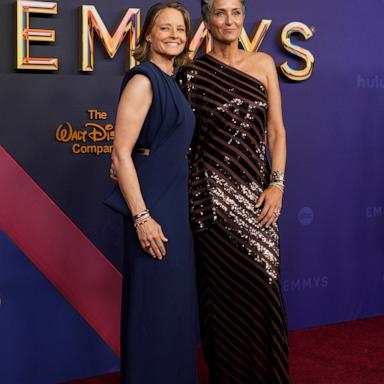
(142, 53)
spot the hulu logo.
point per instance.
(370, 82)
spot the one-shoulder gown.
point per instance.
(243, 323)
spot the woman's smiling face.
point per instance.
(226, 20)
(168, 35)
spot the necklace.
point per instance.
(166, 73)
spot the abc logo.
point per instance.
(305, 216)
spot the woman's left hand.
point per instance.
(271, 200)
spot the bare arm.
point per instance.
(276, 131)
(271, 199)
(133, 107)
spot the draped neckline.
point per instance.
(173, 76)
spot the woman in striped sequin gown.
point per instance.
(236, 197)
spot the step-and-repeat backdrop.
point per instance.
(61, 64)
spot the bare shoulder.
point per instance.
(140, 82)
(137, 90)
(260, 65)
(263, 60)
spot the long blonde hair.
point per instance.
(143, 50)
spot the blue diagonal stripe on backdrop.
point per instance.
(43, 339)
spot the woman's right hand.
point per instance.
(112, 172)
(152, 238)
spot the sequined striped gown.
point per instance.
(243, 324)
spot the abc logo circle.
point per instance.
(305, 216)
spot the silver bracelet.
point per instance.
(277, 177)
(278, 185)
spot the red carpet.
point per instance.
(347, 353)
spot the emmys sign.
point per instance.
(92, 25)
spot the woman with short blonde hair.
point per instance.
(153, 131)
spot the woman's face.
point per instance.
(168, 36)
(226, 19)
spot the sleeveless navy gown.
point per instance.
(159, 319)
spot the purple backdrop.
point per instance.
(332, 223)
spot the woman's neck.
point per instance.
(227, 53)
(165, 63)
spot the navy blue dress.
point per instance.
(159, 319)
